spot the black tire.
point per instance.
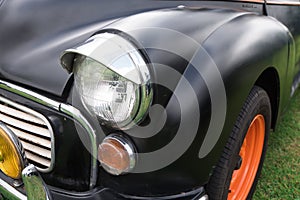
(257, 103)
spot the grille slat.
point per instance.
(31, 138)
(21, 115)
(25, 126)
(37, 150)
(33, 130)
(37, 159)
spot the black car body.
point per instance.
(216, 52)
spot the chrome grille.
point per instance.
(33, 130)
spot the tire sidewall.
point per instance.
(261, 105)
(256, 103)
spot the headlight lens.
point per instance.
(113, 79)
(113, 98)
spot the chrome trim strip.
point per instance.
(195, 194)
(6, 188)
(271, 2)
(77, 115)
(251, 1)
(34, 184)
(29, 95)
(205, 197)
(283, 3)
(40, 116)
(64, 108)
(296, 84)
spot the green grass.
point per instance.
(280, 178)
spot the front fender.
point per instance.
(202, 73)
(251, 45)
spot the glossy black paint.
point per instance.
(240, 64)
(247, 48)
(33, 34)
(288, 15)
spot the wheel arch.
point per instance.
(269, 81)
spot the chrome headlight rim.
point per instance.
(141, 74)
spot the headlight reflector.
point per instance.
(105, 93)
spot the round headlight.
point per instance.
(113, 98)
(113, 79)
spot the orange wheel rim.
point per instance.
(251, 151)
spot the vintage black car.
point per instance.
(142, 99)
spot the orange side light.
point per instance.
(116, 155)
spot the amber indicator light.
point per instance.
(116, 155)
(10, 160)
